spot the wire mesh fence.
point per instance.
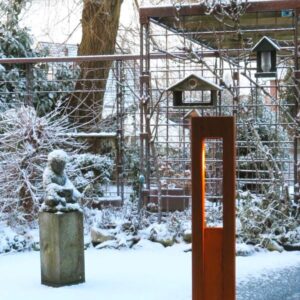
(131, 116)
(265, 108)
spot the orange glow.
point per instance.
(203, 167)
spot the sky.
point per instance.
(59, 20)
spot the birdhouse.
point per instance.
(194, 91)
(266, 51)
(187, 118)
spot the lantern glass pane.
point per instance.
(266, 62)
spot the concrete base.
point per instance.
(62, 248)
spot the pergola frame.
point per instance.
(158, 15)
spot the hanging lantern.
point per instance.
(266, 50)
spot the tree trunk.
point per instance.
(100, 22)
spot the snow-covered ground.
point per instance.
(149, 271)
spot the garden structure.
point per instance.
(246, 54)
(237, 60)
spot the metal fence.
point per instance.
(265, 109)
(145, 134)
(111, 126)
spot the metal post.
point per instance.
(297, 98)
(120, 130)
(213, 255)
(144, 98)
(29, 85)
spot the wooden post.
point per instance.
(213, 254)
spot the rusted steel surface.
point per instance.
(196, 9)
(213, 238)
(213, 257)
(173, 199)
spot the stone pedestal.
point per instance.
(62, 248)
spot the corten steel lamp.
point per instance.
(213, 254)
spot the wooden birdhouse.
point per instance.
(187, 118)
(266, 52)
(194, 92)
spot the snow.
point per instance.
(259, 264)
(89, 134)
(147, 272)
(109, 198)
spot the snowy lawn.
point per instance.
(147, 272)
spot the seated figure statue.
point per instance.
(60, 193)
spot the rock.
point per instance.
(165, 242)
(272, 245)
(109, 244)
(100, 236)
(255, 230)
(187, 250)
(288, 247)
(36, 246)
(160, 234)
(129, 227)
(118, 243)
(133, 241)
(187, 236)
(244, 250)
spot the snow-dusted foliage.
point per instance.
(267, 221)
(89, 172)
(17, 79)
(261, 151)
(17, 239)
(119, 228)
(25, 141)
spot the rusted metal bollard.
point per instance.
(213, 255)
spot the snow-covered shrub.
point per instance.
(89, 172)
(267, 221)
(17, 79)
(25, 141)
(260, 153)
(17, 240)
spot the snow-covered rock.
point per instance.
(99, 236)
(159, 233)
(272, 245)
(187, 236)
(244, 249)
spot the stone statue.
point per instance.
(60, 193)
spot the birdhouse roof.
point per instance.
(265, 43)
(194, 83)
(192, 113)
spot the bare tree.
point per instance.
(100, 22)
